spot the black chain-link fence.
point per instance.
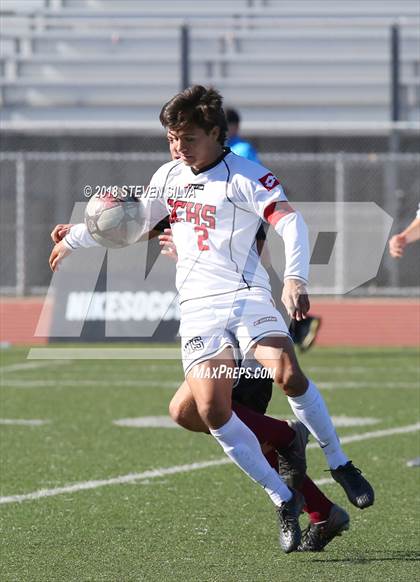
(39, 190)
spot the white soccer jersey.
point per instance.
(215, 214)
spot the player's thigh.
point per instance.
(211, 384)
(204, 333)
(183, 410)
(278, 354)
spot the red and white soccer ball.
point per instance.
(114, 222)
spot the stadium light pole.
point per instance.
(185, 57)
(395, 73)
(391, 170)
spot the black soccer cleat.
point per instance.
(318, 535)
(292, 460)
(305, 331)
(288, 514)
(357, 488)
(309, 337)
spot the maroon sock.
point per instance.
(267, 430)
(317, 505)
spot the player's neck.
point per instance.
(212, 159)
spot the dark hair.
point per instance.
(232, 116)
(196, 105)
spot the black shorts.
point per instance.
(253, 393)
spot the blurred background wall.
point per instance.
(329, 94)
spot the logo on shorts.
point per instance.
(194, 344)
(269, 181)
(265, 319)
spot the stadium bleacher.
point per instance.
(321, 61)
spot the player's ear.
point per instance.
(214, 133)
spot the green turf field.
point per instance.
(191, 524)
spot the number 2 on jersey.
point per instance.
(203, 235)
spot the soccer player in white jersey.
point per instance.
(217, 201)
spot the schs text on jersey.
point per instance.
(187, 211)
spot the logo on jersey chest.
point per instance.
(194, 212)
(194, 187)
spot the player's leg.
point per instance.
(277, 352)
(213, 400)
(326, 519)
(183, 410)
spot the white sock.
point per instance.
(242, 446)
(311, 409)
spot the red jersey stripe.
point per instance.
(276, 210)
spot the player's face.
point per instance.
(194, 146)
(172, 146)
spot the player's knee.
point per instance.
(295, 382)
(185, 415)
(214, 413)
(289, 375)
(177, 413)
(282, 370)
(278, 376)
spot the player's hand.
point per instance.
(397, 245)
(59, 252)
(166, 241)
(295, 298)
(60, 231)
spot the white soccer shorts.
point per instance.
(239, 320)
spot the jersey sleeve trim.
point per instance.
(276, 211)
(296, 277)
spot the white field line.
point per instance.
(22, 422)
(167, 422)
(356, 369)
(104, 353)
(23, 366)
(377, 434)
(101, 382)
(74, 383)
(167, 353)
(324, 481)
(374, 384)
(132, 477)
